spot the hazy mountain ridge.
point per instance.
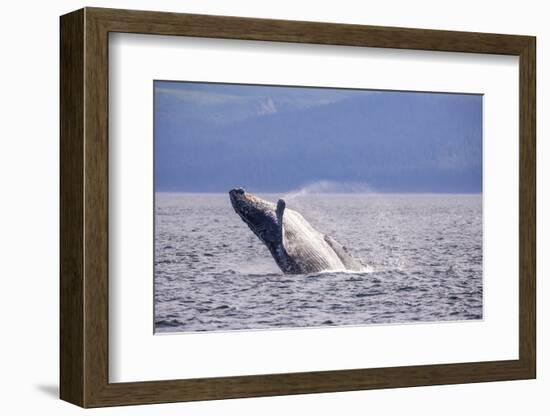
(395, 142)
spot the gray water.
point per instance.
(423, 252)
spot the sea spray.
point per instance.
(330, 187)
(302, 198)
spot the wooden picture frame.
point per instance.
(84, 207)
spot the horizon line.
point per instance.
(327, 193)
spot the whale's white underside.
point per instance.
(313, 250)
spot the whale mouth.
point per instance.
(240, 203)
(237, 191)
(243, 202)
(235, 195)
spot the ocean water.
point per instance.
(423, 252)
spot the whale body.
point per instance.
(296, 246)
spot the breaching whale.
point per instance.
(296, 246)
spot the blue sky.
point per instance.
(213, 137)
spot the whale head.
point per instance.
(264, 218)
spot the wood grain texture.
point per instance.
(225, 27)
(71, 100)
(96, 208)
(84, 207)
(527, 208)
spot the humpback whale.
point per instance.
(296, 246)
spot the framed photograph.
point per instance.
(254, 207)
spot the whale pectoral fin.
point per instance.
(342, 252)
(281, 205)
